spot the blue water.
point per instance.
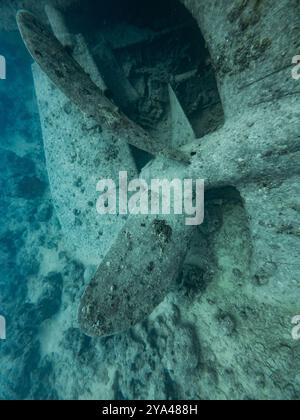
(24, 191)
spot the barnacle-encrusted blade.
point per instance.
(182, 131)
(63, 69)
(76, 84)
(136, 274)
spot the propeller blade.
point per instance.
(76, 84)
(136, 274)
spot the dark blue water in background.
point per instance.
(24, 206)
